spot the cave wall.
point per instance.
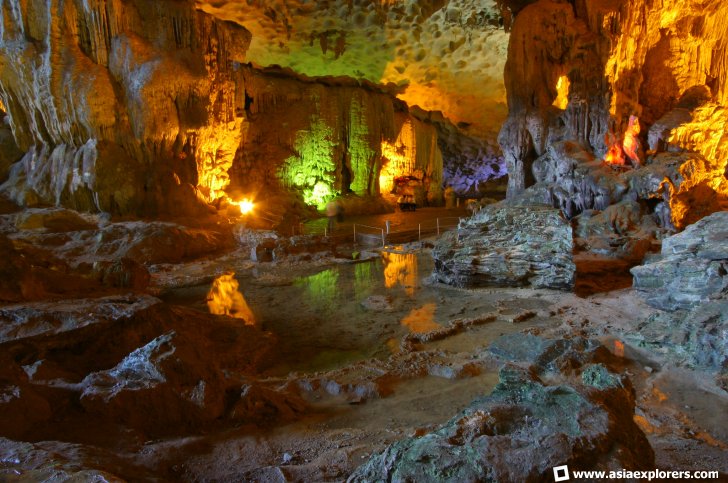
(149, 108)
(119, 104)
(323, 136)
(623, 58)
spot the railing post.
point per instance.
(354, 233)
(419, 232)
(383, 239)
(438, 226)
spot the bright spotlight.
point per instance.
(246, 206)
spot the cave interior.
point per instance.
(363, 240)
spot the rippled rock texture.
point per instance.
(582, 416)
(692, 268)
(508, 246)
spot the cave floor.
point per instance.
(367, 308)
(351, 342)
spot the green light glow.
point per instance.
(313, 170)
(360, 152)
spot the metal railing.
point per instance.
(441, 225)
(374, 235)
(362, 231)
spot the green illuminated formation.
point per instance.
(313, 170)
(364, 173)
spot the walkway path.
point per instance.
(407, 221)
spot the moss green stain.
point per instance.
(313, 169)
(360, 154)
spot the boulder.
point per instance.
(508, 246)
(163, 386)
(582, 417)
(624, 231)
(692, 268)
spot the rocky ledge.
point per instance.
(508, 246)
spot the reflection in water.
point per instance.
(363, 280)
(400, 268)
(321, 288)
(421, 320)
(224, 298)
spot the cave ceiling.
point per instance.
(440, 55)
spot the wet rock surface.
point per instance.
(525, 427)
(508, 246)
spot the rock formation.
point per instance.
(688, 281)
(580, 72)
(443, 55)
(124, 107)
(508, 246)
(148, 109)
(692, 269)
(130, 359)
(527, 426)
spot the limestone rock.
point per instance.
(625, 231)
(576, 180)
(54, 220)
(132, 115)
(442, 55)
(122, 273)
(692, 269)
(9, 151)
(341, 136)
(57, 461)
(693, 337)
(164, 385)
(157, 242)
(558, 53)
(150, 367)
(526, 426)
(508, 246)
(21, 406)
(691, 185)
